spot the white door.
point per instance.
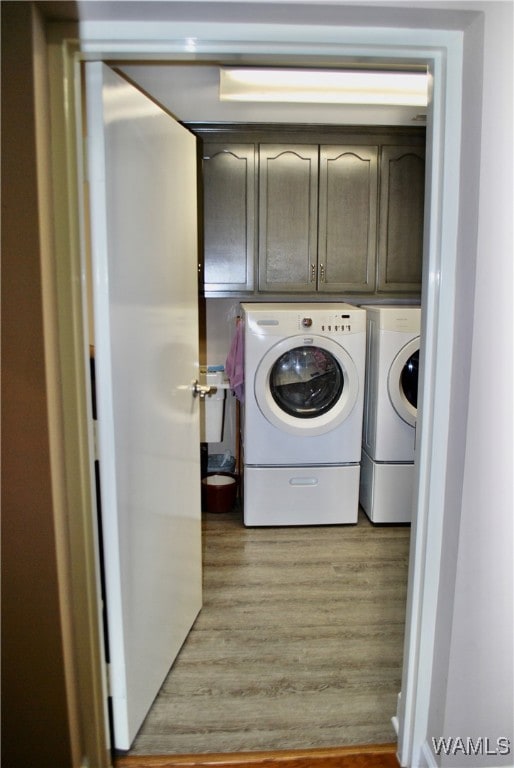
(142, 178)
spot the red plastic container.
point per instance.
(219, 492)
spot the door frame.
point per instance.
(443, 50)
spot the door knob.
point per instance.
(202, 389)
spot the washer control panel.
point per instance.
(338, 322)
(323, 319)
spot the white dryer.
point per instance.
(390, 412)
(302, 413)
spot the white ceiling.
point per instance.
(190, 93)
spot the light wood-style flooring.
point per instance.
(299, 643)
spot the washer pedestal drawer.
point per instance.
(386, 491)
(301, 495)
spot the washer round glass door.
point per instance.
(403, 382)
(306, 385)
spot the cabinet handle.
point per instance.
(313, 272)
(322, 273)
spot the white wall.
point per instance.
(473, 685)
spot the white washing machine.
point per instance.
(390, 412)
(302, 413)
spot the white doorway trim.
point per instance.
(443, 52)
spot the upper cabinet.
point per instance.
(288, 217)
(317, 218)
(229, 183)
(313, 217)
(402, 200)
(348, 188)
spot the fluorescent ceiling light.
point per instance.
(323, 86)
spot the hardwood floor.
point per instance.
(298, 646)
(376, 756)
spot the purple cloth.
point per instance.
(234, 365)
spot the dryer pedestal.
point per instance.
(301, 495)
(386, 490)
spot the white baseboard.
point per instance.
(427, 757)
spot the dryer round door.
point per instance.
(306, 386)
(403, 382)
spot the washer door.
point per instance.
(403, 382)
(306, 386)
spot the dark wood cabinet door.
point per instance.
(288, 217)
(347, 218)
(310, 217)
(229, 181)
(401, 215)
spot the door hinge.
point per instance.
(85, 163)
(108, 678)
(96, 451)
